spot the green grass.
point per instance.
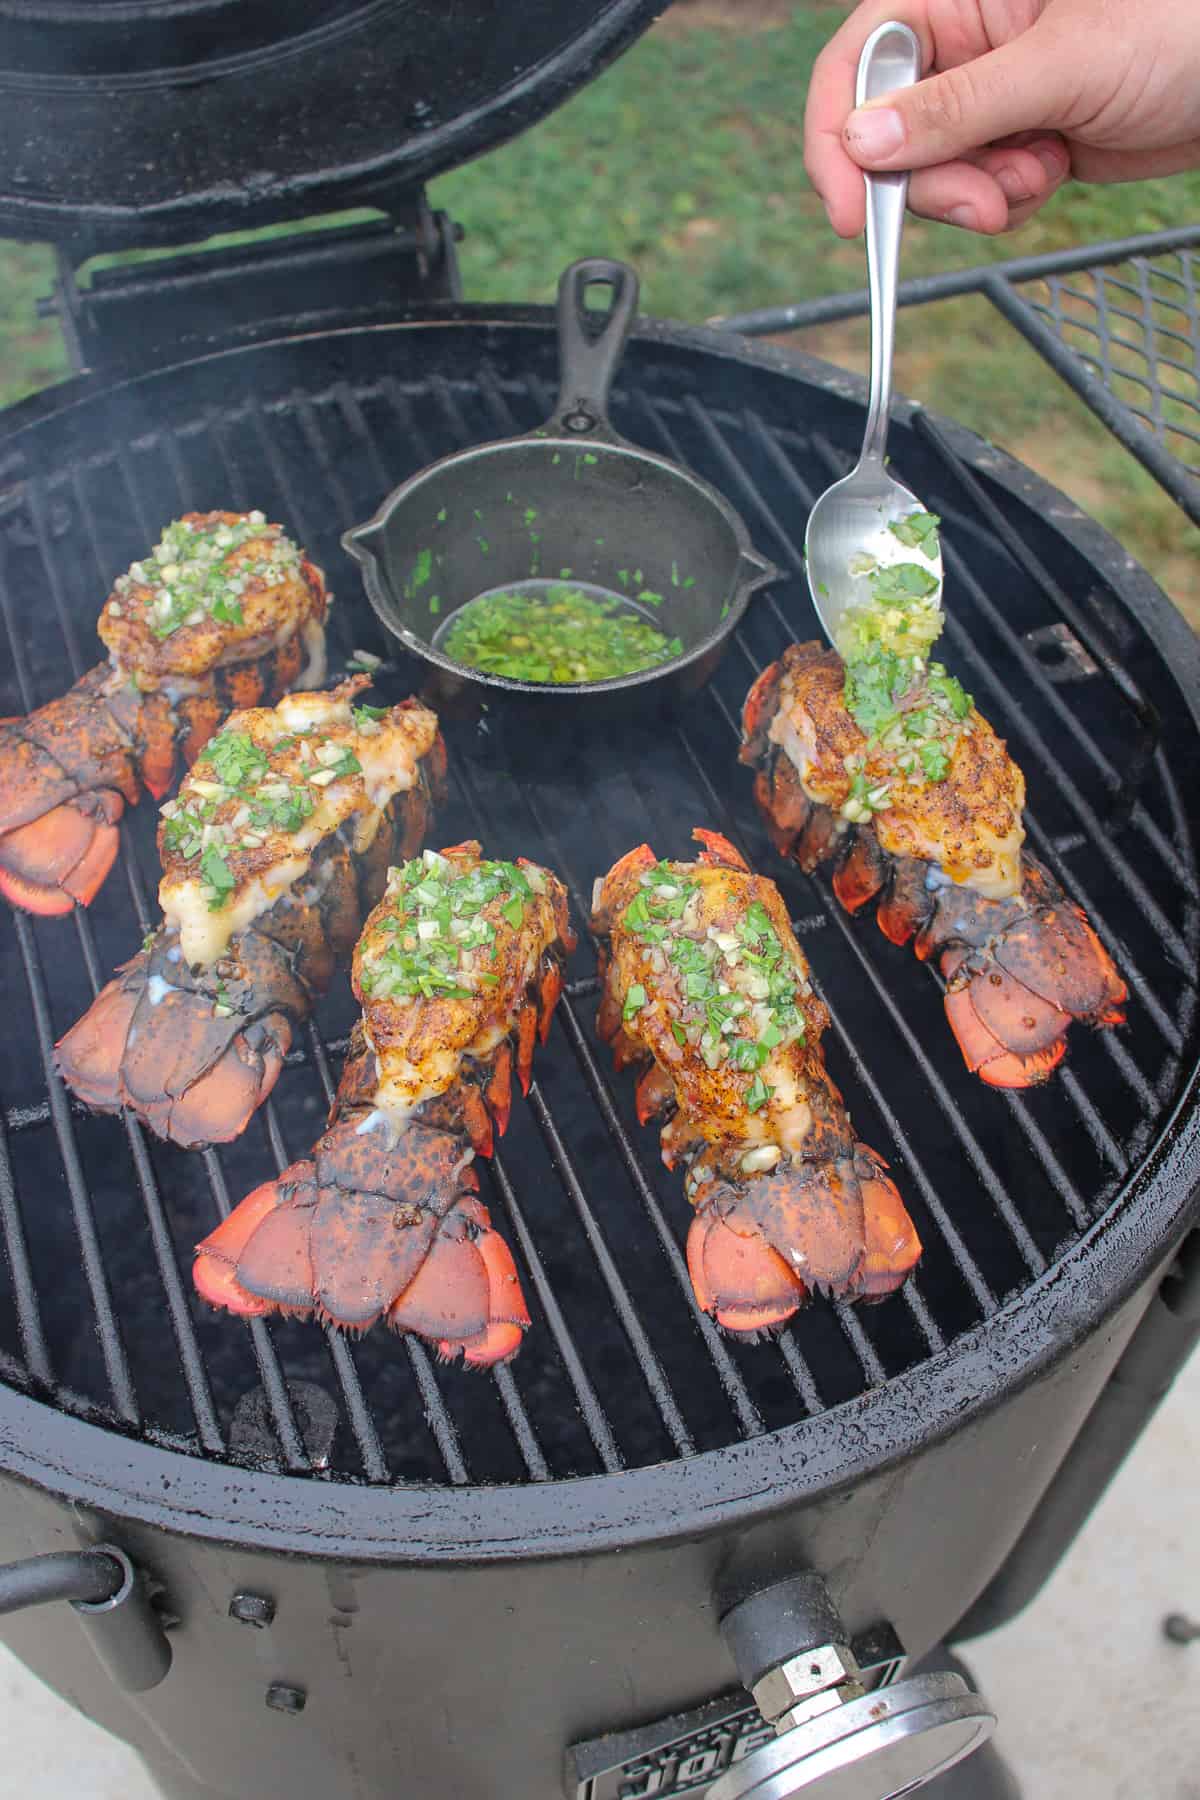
(685, 159)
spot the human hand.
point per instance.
(1018, 95)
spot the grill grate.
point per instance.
(620, 1369)
(1138, 328)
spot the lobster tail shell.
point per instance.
(373, 1226)
(68, 770)
(836, 1225)
(192, 1059)
(1019, 971)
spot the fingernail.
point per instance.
(1013, 186)
(1053, 160)
(875, 131)
(965, 216)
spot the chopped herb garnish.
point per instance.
(919, 531)
(194, 573)
(366, 714)
(635, 1000)
(236, 758)
(757, 1094)
(737, 990)
(218, 875)
(436, 922)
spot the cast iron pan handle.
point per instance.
(590, 344)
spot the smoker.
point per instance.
(644, 1559)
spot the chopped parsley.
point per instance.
(905, 705)
(236, 759)
(737, 989)
(191, 573)
(919, 531)
(219, 876)
(237, 794)
(438, 927)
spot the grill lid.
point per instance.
(134, 122)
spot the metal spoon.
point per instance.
(852, 517)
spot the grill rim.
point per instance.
(911, 1412)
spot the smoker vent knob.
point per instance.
(834, 1741)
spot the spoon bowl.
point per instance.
(852, 520)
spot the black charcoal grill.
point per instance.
(376, 1576)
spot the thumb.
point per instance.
(1018, 87)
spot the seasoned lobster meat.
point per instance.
(942, 857)
(274, 851)
(707, 990)
(458, 969)
(224, 612)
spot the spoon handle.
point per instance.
(891, 58)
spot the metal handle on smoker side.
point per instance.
(109, 1597)
(590, 345)
(793, 1652)
(891, 59)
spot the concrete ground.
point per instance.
(1094, 1703)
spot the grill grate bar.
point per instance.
(727, 1374)
(436, 1413)
(191, 1360)
(652, 1370)
(535, 1463)
(116, 1363)
(29, 1317)
(800, 1372)
(1097, 1130)
(362, 1424)
(735, 1388)
(963, 1260)
(864, 1349)
(279, 1401)
(594, 1416)
(353, 1399)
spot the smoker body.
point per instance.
(454, 1676)
(469, 1575)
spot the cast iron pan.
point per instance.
(572, 501)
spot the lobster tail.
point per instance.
(66, 774)
(835, 1225)
(1020, 968)
(380, 1223)
(384, 1221)
(192, 1056)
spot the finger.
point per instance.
(960, 193)
(835, 175)
(1015, 88)
(1027, 172)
